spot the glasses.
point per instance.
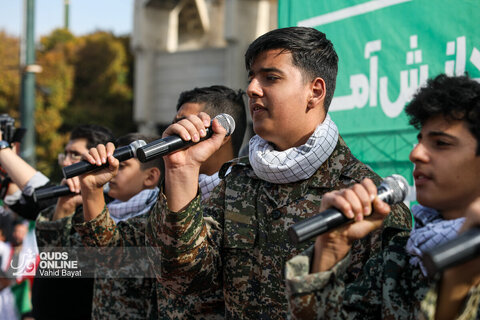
(74, 157)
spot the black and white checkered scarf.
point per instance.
(135, 206)
(294, 164)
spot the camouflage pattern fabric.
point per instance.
(103, 232)
(469, 311)
(113, 297)
(242, 244)
(388, 288)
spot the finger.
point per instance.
(196, 125)
(76, 183)
(70, 185)
(335, 199)
(110, 147)
(113, 163)
(365, 199)
(205, 119)
(472, 215)
(353, 199)
(177, 129)
(102, 153)
(218, 128)
(381, 207)
(93, 157)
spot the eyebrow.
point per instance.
(266, 70)
(438, 134)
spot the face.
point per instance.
(188, 108)
(447, 170)
(279, 100)
(73, 152)
(19, 233)
(128, 182)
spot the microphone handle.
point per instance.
(51, 192)
(461, 249)
(164, 146)
(311, 227)
(79, 168)
(329, 219)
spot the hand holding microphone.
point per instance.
(392, 190)
(122, 154)
(172, 143)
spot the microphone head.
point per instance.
(398, 186)
(227, 122)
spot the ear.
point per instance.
(318, 91)
(152, 177)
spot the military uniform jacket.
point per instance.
(388, 288)
(115, 296)
(238, 240)
(130, 235)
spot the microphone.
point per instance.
(459, 250)
(122, 154)
(164, 146)
(51, 192)
(393, 189)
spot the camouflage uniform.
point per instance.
(242, 243)
(470, 309)
(102, 231)
(113, 297)
(388, 288)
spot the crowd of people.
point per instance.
(202, 232)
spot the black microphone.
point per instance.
(164, 146)
(393, 189)
(51, 192)
(454, 252)
(122, 154)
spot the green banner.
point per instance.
(387, 49)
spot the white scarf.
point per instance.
(297, 163)
(208, 183)
(135, 206)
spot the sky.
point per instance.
(86, 16)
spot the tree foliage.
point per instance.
(85, 79)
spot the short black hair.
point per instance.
(453, 97)
(94, 134)
(131, 137)
(311, 51)
(220, 99)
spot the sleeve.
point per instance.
(469, 309)
(189, 244)
(54, 233)
(382, 289)
(314, 295)
(104, 232)
(23, 202)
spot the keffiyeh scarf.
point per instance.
(135, 206)
(429, 231)
(297, 163)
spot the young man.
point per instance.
(238, 238)
(100, 230)
(394, 282)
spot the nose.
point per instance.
(254, 88)
(418, 154)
